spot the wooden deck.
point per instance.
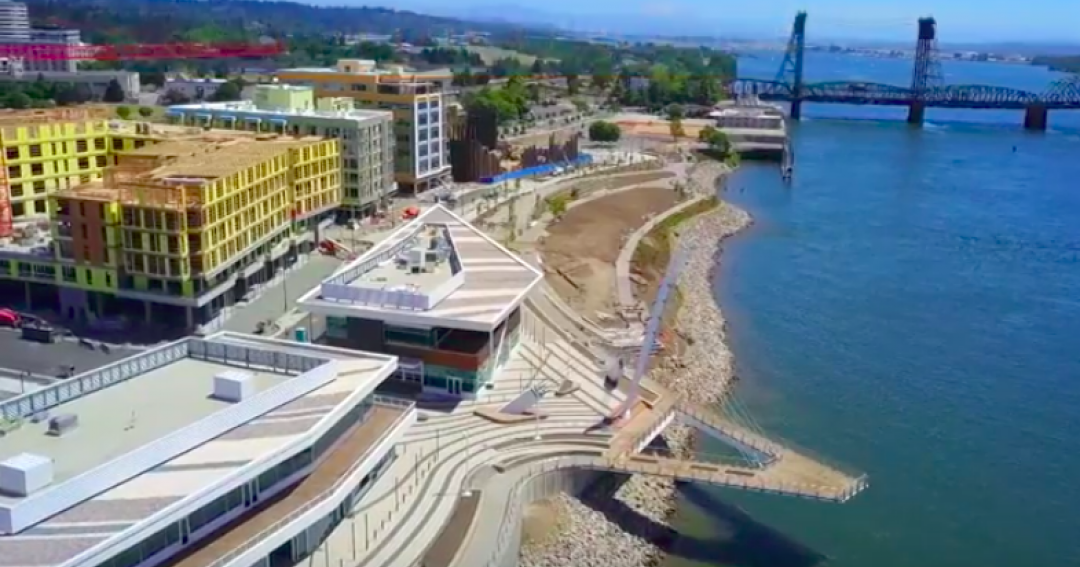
(328, 471)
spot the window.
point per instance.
(84, 163)
(69, 274)
(81, 146)
(100, 161)
(35, 150)
(16, 190)
(37, 169)
(99, 144)
(13, 153)
(39, 187)
(17, 210)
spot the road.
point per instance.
(44, 361)
(280, 297)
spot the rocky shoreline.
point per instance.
(589, 538)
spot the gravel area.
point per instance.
(589, 538)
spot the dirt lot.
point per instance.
(580, 250)
(589, 186)
(661, 128)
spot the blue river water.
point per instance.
(910, 306)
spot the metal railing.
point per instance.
(324, 495)
(817, 492)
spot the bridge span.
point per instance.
(926, 90)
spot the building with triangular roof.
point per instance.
(438, 293)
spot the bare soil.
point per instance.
(588, 186)
(580, 250)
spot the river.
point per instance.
(910, 306)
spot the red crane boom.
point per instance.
(136, 51)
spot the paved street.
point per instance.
(44, 361)
(279, 298)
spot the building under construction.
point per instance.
(178, 225)
(477, 155)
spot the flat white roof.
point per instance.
(179, 483)
(247, 108)
(492, 280)
(125, 416)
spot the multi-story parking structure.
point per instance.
(439, 294)
(422, 156)
(366, 136)
(224, 451)
(178, 226)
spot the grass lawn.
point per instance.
(157, 116)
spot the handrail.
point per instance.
(747, 483)
(756, 442)
(290, 517)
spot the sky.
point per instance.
(991, 21)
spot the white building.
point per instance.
(438, 293)
(98, 81)
(174, 455)
(194, 89)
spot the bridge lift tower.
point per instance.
(927, 73)
(791, 70)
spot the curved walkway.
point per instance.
(625, 286)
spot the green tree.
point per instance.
(717, 141)
(114, 92)
(557, 204)
(227, 92)
(123, 112)
(675, 125)
(603, 131)
(17, 100)
(675, 112)
(146, 111)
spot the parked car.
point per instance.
(9, 318)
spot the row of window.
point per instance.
(58, 148)
(59, 166)
(236, 498)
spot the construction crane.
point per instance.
(138, 51)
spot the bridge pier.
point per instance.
(916, 112)
(1035, 118)
(796, 109)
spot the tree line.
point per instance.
(46, 94)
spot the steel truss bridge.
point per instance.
(926, 90)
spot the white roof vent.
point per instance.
(233, 386)
(25, 474)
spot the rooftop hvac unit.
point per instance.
(25, 474)
(233, 386)
(62, 424)
(417, 260)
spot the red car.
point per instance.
(9, 318)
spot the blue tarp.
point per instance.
(583, 159)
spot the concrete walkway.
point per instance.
(625, 286)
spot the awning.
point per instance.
(253, 119)
(278, 120)
(226, 117)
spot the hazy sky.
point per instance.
(958, 20)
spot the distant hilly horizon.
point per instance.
(667, 26)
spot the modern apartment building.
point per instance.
(439, 294)
(162, 223)
(366, 136)
(421, 157)
(229, 450)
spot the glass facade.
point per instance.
(201, 519)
